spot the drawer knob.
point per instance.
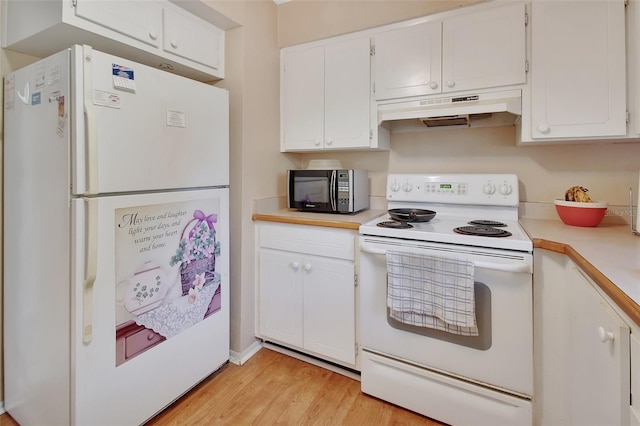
(295, 266)
(307, 267)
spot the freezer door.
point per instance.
(155, 321)
(144, 129)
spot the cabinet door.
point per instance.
(408, 61)
(484, 49)
(140, 20)
(302, 82)
(347, 109)
(329, 307)
(192, 38)
(280, 293)
(578, 69)
(599, 385)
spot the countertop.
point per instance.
(609, 254)
(345, 221)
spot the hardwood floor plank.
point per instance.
(275, 389)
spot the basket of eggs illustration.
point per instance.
(578, 209)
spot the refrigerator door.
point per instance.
(137, 128)
(155, 321)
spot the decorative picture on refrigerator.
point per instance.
(165, 272)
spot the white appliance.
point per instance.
(116, 239)
(473, 380)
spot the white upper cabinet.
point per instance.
(347, 94)
(140, 21)
(157, 33)
(191, 38)
(577, 70)
(326, 97)
(408, 61)
(302, 99)
(484, 49)
(478, 49)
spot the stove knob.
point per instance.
(505, 189)
(407, 186)
(395, 186)
(488, 188)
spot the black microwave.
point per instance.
(328, 191)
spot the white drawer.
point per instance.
(317, 240)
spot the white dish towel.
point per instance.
(431, 291)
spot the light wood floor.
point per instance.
(275, 389)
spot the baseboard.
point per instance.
(239, 358)
(313, 360)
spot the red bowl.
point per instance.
(581, 214)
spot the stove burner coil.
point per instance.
(483, 231)
(492, 223)
(394, 224)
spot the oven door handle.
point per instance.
(505, 267)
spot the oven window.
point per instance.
(483, 319)
(311, 189)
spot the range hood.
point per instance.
(501, 108)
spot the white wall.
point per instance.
(253, 79)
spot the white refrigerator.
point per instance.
(116, 239)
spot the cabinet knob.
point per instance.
(307, 267)
(433, 85)
(174, 44)
(605, 336)
(451, 83)
(544, 128)
(153, 35)
(329, 141)
(316, 143)
(295, 266)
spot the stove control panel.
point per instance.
(470, 189)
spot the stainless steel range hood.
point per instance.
(500, 108)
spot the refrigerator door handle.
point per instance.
(90, 268)
(91, 140)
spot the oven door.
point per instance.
(501, 357)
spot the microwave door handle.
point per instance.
(332, 191)
(505, 267)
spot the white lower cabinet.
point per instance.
(583, 362)
(634, 415)
(599, 373)
(306, 290)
